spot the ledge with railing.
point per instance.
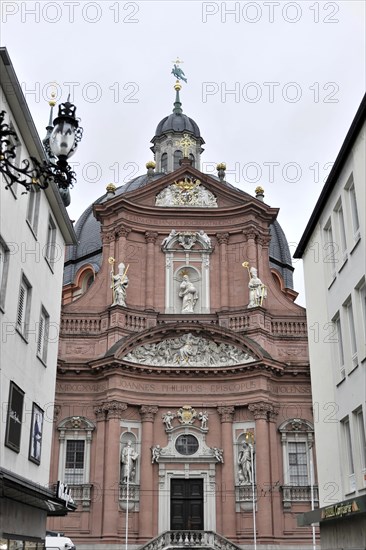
(189, 539)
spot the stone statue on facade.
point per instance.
(165, 242)
(245, 472)
(203, 417)
(167, 420)
(119, 285)
(257, 290)
(218, 454)
(189, 295)
(155, 453)
(129, 458)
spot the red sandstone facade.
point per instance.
(104, 399)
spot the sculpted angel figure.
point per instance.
(167, 419)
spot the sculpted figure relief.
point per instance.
(245, 465)
(155, 453)
(167, 419)
(189, 295)
(129, 457)
(257, 290)
(189, 350)
(119, 285)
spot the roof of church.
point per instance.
(89, 247)
(177, 122)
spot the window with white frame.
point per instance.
(361, 438)
(24, 301)
(75, 436)
(330, 250)
(4, 266)
(350, 187)
(352, 331)
(361, 294)
(341, 230)
(75, 461)
(348, 454)
(297, 438)
(340, 350)
(298, 463)
(33, 208)
(42, 337)
(51, 242)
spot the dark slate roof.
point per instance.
(177, 122)
(89, 247)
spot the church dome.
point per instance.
(177, 122)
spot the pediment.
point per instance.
(189, 348)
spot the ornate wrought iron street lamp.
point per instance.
(61, 145)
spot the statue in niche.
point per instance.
(155, 453)
(119, 285)
(189, 295)
(245, 465)
(129, 458)
(257, 290)
(167, 419)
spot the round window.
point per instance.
(186, 444)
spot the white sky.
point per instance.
(303, 61)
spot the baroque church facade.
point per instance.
(183, 413)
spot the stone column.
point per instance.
(150, 238)
(228, 481)
(223, 239)
(122, 234)
(98, 475)
(276, 475)
(251, 248)
(109, 242)
(260, 412)
(147, 413)
(112, 468)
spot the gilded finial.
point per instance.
(221, 166)
(111, 188)
(259, 190)
(177, 86)
(150, 164)
(52, 101)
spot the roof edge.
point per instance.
(342, 156)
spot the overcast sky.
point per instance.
(273, 86)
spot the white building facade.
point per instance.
(333, 250)
(34, 230)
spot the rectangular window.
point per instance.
(14, 417)
(361, 290)
(33, 209)
(341, 232)
(25, 291)
(4, 266)
(74, 463)
(51, 242)
(348, 446)
(298, 463)
(360, 425)
(337, 322)
(350, 187)
(43, 331)
(330, 250)
(352, 332)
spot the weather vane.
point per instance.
(177, 71)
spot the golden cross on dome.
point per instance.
(185, 143)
